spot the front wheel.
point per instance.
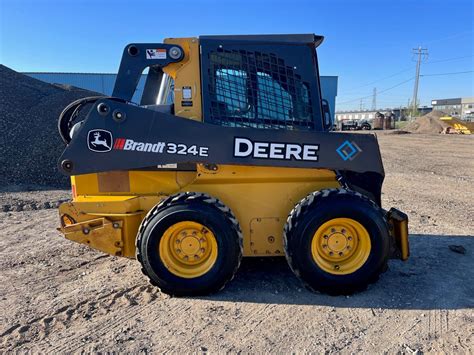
(337, 241)
(189, 244)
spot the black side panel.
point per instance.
(253, 83)
(144, 138)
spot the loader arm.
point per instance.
(144, 138)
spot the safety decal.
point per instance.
(187, 93)
(159, 53)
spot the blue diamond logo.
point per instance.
(348, 150)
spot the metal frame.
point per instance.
(298, 51)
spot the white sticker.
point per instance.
(159, 53)
(187, 93)
(167, 166)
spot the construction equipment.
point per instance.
(457, 126)
(230, 153)
(356, 125)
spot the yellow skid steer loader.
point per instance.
(229, 154)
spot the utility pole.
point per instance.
(374, 100)
(360, 106)
(422, 54)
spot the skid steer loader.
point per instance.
(228, 154)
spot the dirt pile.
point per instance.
(429, 123)
(29, 141)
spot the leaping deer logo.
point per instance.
(97, 141)
(100, 140)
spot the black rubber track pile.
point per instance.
(30, 145)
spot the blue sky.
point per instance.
(368, 43)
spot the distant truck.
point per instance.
(356, 125)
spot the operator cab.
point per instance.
(268, 82)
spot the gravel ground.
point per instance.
(58, 296)
(30, 144)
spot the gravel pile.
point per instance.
(30, 145)
(427, 124)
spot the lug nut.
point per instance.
(343, 231)
(348, 247)
(325, 236)
(186, 258)
(178, 251)
(333, 230)
(349, 238)
(331, 253)
(336, 267)
(341, 253)
(196, 257)
(325, 246)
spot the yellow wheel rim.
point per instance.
(188, 249)
(341, 246)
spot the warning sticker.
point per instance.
(159, 53)
(187, 93)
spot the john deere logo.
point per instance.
(348, 150)
(99, 140)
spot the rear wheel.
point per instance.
(337, 241)
(189, 244)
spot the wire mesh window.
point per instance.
(255, 89)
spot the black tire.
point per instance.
(197, 207)
(319, 207)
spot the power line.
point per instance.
(404, 71)
(454, 73)
(379, 92)
(449, 59)
(381, 79)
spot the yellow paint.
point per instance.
(399, 221)
(186, 73)
(188, 249)
(100, 233)
(341, 246)
(253, 193)
(459, 126)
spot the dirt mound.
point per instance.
(429, 123)
(29, 143)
